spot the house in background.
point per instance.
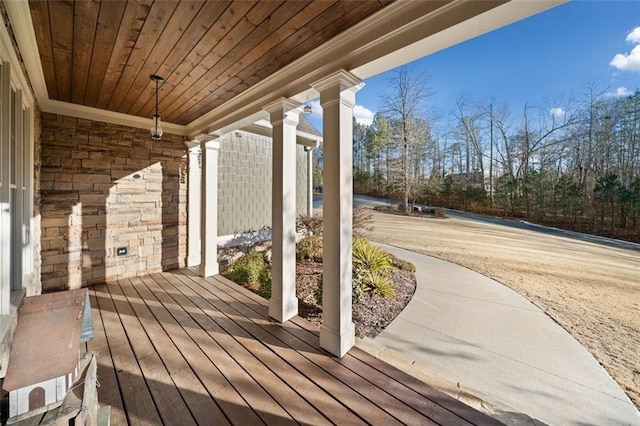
(87, 195)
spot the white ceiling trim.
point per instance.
(105, 116)
(22, 24)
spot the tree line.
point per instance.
(577, 168)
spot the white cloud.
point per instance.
(363, 115)
(634, 36)
(557, 112)
(629, 61)
(620, 92)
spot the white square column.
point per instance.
(209, 209)
(309, 151)
(284, 115)
(194, 207)
(337, 97)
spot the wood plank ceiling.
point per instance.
(101, 53)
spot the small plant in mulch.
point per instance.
(309, 247)
(402, 265)
(371, 270)
(264, 281)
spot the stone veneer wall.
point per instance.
(244, 183)
(105, 186)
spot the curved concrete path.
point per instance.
(485, 339)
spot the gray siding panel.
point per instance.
(244, 183)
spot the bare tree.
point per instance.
(403, 103)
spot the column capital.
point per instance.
(344, 80)
(284, 110)
(194, 143)
(211, 144)
(283, 104)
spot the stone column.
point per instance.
(337, 97)
(209, 209)
(284, 115)
(195, 193)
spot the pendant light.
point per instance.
(156, 129)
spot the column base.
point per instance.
(209, 270)
(193, 261)
(338, 342)
(283, 311)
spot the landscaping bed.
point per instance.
(382, 284)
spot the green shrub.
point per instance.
(403, 265)
(264, 278)
(371, 270)
(379, 282)
(246, 270)
(309, 247)
(368, 257)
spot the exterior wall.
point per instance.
(103, 187)
(244, 183)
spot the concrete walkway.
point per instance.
(488, 345)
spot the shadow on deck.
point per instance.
(178, 349)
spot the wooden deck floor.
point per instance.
(177, 349)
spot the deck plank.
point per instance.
(138, 403)
(198, 401)
(283, 382)
(109, 393)
(241, 389)
(256, 380)
(167, 399)
(194, 344)
(206, 350)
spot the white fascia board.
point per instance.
(105, 116)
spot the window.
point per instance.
(16, 187)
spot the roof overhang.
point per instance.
(400, 33)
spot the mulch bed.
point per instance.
(372, 314)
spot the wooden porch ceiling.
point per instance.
(100, 53)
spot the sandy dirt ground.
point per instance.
(592, 291)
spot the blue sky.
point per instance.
(545, 60)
